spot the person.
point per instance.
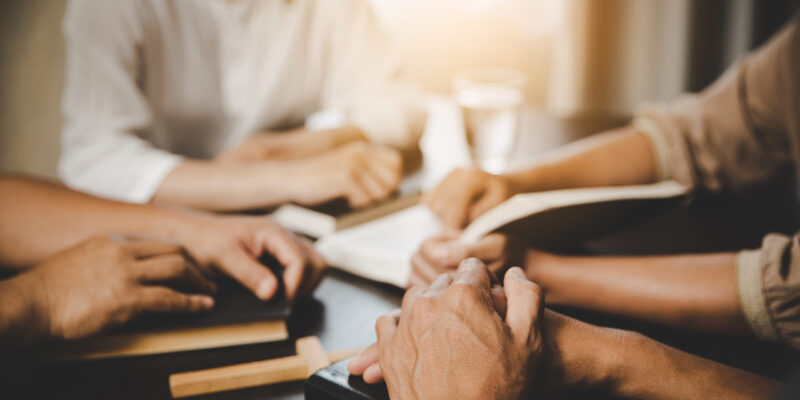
(741, 131)
(83, 264)
(461, 338)
(233, 104)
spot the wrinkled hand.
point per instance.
(359, 172)
(106, 281)
(450, 342)
(234, 244)
(465, 194)
(442, 254)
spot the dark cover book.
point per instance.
(336, 383)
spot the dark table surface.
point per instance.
(343, 310)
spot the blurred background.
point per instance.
(581, 56)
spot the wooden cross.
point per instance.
(309, 359)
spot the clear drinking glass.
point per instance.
(490, 102)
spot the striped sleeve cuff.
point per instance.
(749, 282)
(658, 144)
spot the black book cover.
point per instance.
(233, 303)
(336, 383)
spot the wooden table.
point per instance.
(342, 314)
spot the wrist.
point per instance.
(581, 356)
(525, 181)
(24, 318)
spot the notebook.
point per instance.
(381, 250)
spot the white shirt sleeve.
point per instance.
(364, 80)
(104, 109)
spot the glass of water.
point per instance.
(491, 101)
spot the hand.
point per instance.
(297, 143)
(359, 172)
(442, 254)
(465, 194)
(234, 244)
(450, 342)
(106, 281)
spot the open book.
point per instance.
(381, 249)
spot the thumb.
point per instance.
(524, 304)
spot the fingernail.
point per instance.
(266, 289)
(470, 264)
(206, 302)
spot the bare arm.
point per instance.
(630, 365)
(219, 186)
(684, 291)
(359, 172)
(38, 219)
(618, 157)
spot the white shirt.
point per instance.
(151, 81)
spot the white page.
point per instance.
(381, 249)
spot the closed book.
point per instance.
(238, 318)
(336, 383)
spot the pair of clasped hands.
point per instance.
(459, 334)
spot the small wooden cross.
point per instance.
(309, 359)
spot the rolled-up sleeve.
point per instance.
(768, 281)
(740, 131)
(365, 81)
(103, 108)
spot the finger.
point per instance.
(374, 188)
(385, 328)
(363, 360)
(357, 196)
(491, 247)
(174, 269)
(524, 303)
(416, 280)
(241, 265)
(499, 301)
(444, 255)
(161, 299)
(473, 272)
(423, 269)
(314, 270)
(411, 297)
(456, 210)
(388, 170)
(285, 247)
(373, 374)
(439, 286)
(486, 202)
(143, 248)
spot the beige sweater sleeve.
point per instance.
(741, 131)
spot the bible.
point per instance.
(238, 318)
(381, 250)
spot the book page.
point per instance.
(381, 249)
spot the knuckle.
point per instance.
(462, 294)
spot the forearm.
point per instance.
(218, 186)
(38, 219)
(647, 369)
(630, 365)
(618, 157)
(686, 291)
